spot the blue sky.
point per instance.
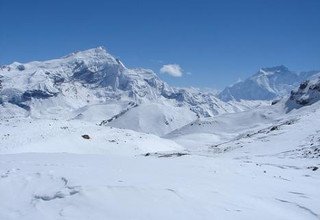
(214, 42)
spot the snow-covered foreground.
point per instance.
(257, 164)
(70, 186)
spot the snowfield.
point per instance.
(54, 136)
(84, 137)
(269, 171)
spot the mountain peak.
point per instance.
(268, 83)
(273, 70)
(92, 52)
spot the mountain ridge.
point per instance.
(63, 85)
(267, 84)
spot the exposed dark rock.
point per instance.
(304, 85)
(37, 94)
(130, 106)
(274, 128)
(21, 67)
(313, 168)
(58, 79)
(160, 155)
(302, 101)
(307, 94)
(85, 136)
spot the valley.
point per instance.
(84, 137)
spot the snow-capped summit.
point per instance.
(273, 70)
(87, 77)
(266, 84)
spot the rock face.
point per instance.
(266, 84)
(61, 86)
(306, 94)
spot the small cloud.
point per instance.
(172, 69)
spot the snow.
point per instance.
(61, 87)
(55, 136)
(154, 118)
(118, 143)
(50, 172)
(266, 84)
(63, 186)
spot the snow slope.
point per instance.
(268, 171)
(56, 136)
(154, 118)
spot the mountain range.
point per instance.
(85, 137)
(85, 81)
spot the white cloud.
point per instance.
(172, 69)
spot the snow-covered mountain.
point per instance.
(74, 81)
(261, 163)
(91, 77)
(159, 156)
(266, 84)
(92, 85)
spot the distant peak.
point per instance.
(268, 71)
(93, 51)
(96, 50)
(280, 68)
(101, 48)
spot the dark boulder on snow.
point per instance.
(85, 136)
